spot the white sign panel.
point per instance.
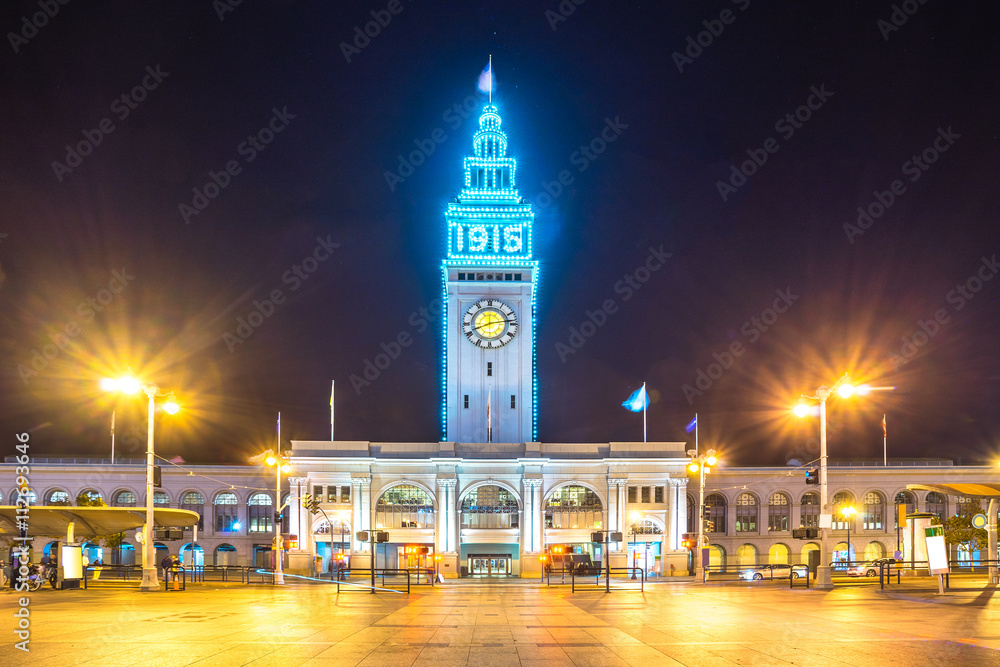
(826, 521)
(937, 555)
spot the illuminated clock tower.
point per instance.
(489, 282)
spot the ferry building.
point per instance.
(490, 499)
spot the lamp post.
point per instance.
(130, 385)
(635, 516)
(701, 464)
(280, 466)
(843, 387)
(848, 513)
(343, 538)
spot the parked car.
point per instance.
(781, 571)
(868, 568)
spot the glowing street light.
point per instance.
(635, 516)
(131, 385)
(844, 388)
(701, 464)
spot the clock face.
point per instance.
(490, 323)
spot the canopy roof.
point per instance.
(54, 520)
(970, 489)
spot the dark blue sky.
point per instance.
(741, 152)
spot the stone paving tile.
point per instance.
(391, 657)
(505, 656)
(642, 656)
(599, 656)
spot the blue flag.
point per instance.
(693, 425)
(638, 401)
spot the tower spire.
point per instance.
(491, 78)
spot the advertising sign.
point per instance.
(937, 553)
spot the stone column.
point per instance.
(448, 520)
(360, 512)
(677, 513)
(531, 532)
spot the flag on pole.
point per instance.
(333, 384)
(638, 401)
(883, 426)
(692, 426)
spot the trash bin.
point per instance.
(464, 571)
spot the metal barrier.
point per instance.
(117, 573)
(607, 577)
(262, 571)
(382, 572)
(171, 579)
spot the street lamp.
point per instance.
(130, 385)
(843, 387)
(281, 465)
(635, 516)
(701, 464)
(342, 515)
(848, 514)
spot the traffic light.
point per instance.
(157, 477)
(311, 503)
(597, 537)
(687, 544)
(381, 536)
(812, 476)
(706, 511)
(805, 533)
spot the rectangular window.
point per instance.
(318, 493)
(489, 368)
(658, 495)
(461, 276)
(633, 494)
(466, 401)
(645, 494)
(517, 276)
(331, 494)
(345, 494)
(513, 402)
(508, 276)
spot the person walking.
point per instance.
(165, 565)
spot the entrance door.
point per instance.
(490, 564)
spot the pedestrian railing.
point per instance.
(629, 573)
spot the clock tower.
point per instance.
(489, 283)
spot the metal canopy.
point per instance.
(968, 489)
(54, 520)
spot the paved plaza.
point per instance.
(513, 622)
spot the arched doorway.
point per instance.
(716, 558)
(746, 554)
(192, 554)
(225, 554)
(778, 554)
(874, 550)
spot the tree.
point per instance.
(91, 499)
(958, 530)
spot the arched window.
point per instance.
(89, 497)
(936, 503)
(809, 510)
(58, 498)
(32, 498)
(874, 518)
(840, 501)
(905, 498)
(260, 513)
(574, 506)
(124, 499)
(161, 498)
(405, 506)
(490, 506)
(874, 550)
(746, 513)
(715, 505)
(646, 526)
(195, 502)
(341, 532)
(227, 513)
(778, 513)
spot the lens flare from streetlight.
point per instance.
(801, 410)
(711, 460)
(285, 468)
(171, 407)
(846, 389)
(693, 467)
(864, 389)
(270, 460)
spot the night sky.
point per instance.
(167, 168)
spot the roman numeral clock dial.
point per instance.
(490, 324)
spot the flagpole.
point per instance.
(645, 404)
(333, 383)
(112, 437)
(885, 450)
(696, 441)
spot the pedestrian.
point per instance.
(165, 566)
